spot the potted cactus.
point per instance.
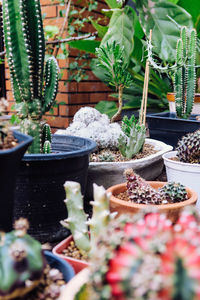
(83, 242)
(137, 194)
(28, 271)
(184, 163)
(135, 264)
(169, 127)
(13, 145)
(39, 190)
(128, 139)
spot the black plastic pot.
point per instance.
(9, 165)
(166, 127)
(39, 190)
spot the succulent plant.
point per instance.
(184, 71)
(188, 148)
(88, 122)
(111, 59)
(21, 262)
(173, 192)
(77, 219)
(132, 141)
(25, 50)
(106, 156)
(146, 258)
(140, 191)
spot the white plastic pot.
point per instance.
(185, 173)
(111, 173)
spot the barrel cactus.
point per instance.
(25, 51)
(188, 148)
(146, 257)
(21, 262)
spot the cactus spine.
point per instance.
(25, 50)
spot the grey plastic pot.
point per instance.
(111, 173)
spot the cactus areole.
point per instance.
(25, 51)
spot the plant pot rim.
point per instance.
(88, 146)
(192, 198)
(167, 156)
(171, 97)
(63, 244)
(26, 139)
(160, 145)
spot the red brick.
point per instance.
(96, 97)
(49, 11)
(62, 97)
(76, 98)
(62, 87)
(92, 87)
(63, 110)
(57, 122)
(49, 2)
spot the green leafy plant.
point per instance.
(132, 141)
(25, 50)
(111, 60)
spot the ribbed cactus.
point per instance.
(185, 74)
(77, 219)
(184, 71)
(25, 50)
(21, 262)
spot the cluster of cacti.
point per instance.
(146, 258)
(88, 122)
(21, 262)
(25, 50)
(141, 192)
(188, 148)
(184, 71)
(106, 155)
(77, 219)
(132, 141)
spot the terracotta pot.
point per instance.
(77, 264)
(196, 107)
(124, 207)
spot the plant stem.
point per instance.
(120, 93)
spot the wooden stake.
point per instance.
(143, 108)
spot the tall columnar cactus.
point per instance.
(185, 74)
(25, 50)
(184, 70)
(21, 262)
(77, 219)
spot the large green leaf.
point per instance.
(85, 45)
(192, 7)
(121, 30)
(114, 3)
(100, 29)
(158, 15)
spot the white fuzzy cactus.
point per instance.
(90, 123)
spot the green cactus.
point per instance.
(184, 71)
(77, 218)
(21, 262)
(25, 50)
(185, 74)
(133, 139)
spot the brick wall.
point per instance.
(73, 95)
